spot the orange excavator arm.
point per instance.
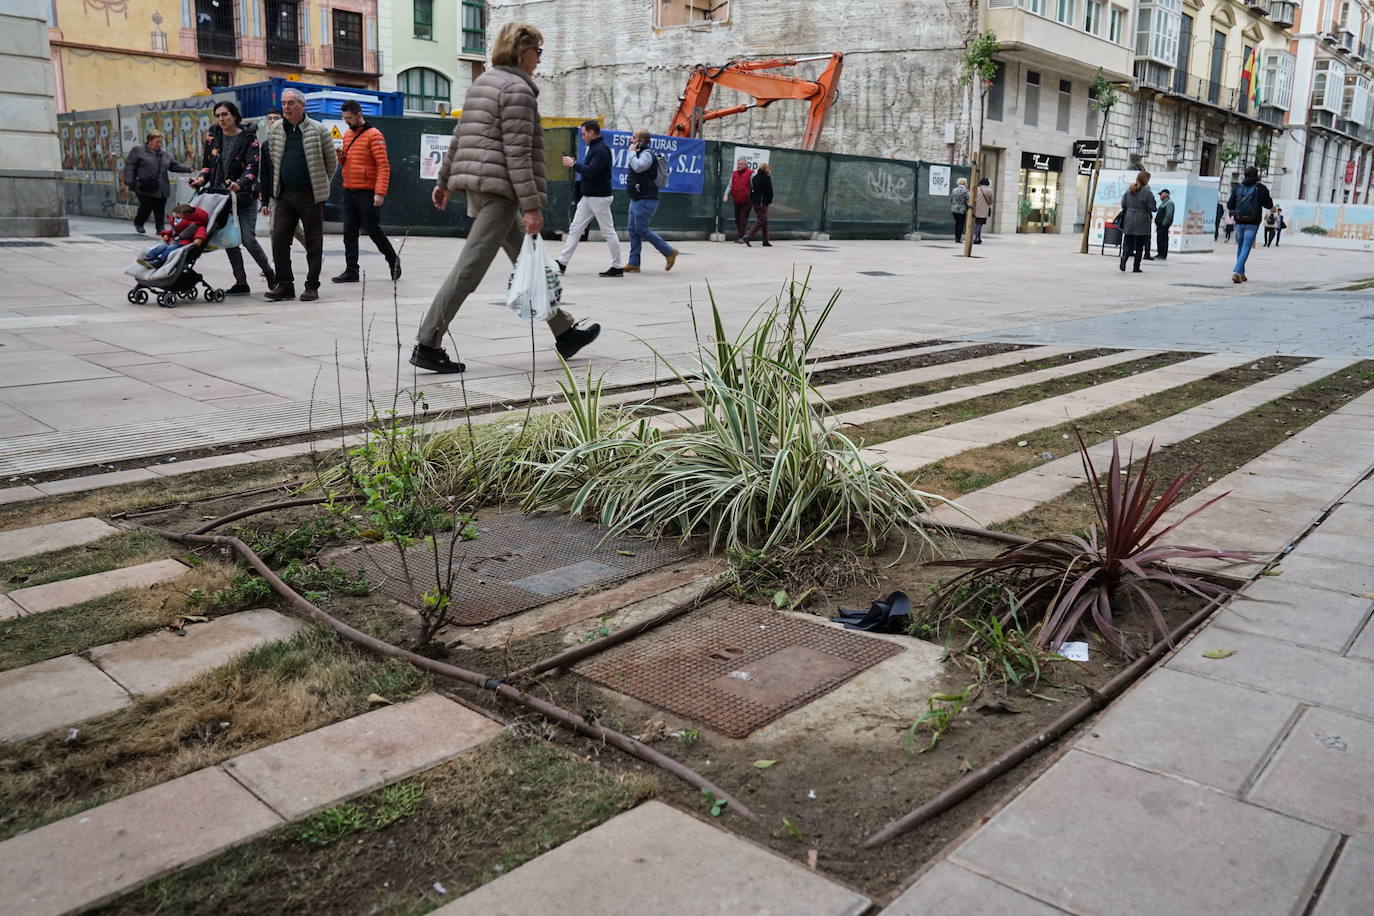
(766, 88)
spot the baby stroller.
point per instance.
(177, 277)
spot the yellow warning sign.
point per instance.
(334, 132)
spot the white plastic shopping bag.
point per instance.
(535, 287)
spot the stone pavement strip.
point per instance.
(90, 858)
(27, 542)
(657, 861)
(67, 592)
(64, 691)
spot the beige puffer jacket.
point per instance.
(498, 145)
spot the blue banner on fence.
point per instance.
(686, 159)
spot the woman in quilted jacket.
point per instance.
(496, 160)
(231, 160)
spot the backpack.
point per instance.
(661, 171)
(1247, 202)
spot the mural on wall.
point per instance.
(1328, 225)
(182, 130)
(91, 160)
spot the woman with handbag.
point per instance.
(231, 161)
(1138, 205)
(145, 175)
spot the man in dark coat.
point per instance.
(1247, 204)
(1164, 218)
(594, 178)
(145, 175)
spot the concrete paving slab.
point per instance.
(52, 694)
(19, 494)
(1322, 772)
(1347, 889)
(657, 861)
(208, 463)
(1174, 723)
(1363, 647)
(162, 660)
(1363, 495)
(40, 368)
(28, 542)
(92, 857)
(339, 761)
(1312, 490)
(1147, 844)
(16, 423)
(99, 402)
(1324, 573)
(1281, 667)
(95, 481)
(66, 592)
(1348, 548)
(1347, 518)
(983, 509)
(1298, 613)
(8, 609)
(949, 890)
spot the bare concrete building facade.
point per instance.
(629, 60)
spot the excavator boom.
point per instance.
(765, 88)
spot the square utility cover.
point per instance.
(738, 670)
(517, 562)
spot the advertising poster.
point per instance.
(939, 181)
(1195, 206)
(1328, 225)
(433, 148)
(686, 160)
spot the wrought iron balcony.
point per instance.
(284, 52)
(216, 43)
(348, 58)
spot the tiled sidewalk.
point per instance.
(1218, 785)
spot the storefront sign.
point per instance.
(1041, 162)
(1087, 149)
(686, 159)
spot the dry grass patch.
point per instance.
(1220, 450)
(271, 693)
(925, 421)
(982, 467)
(114, 552)
(479, 817)
(112, 618)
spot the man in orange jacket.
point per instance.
(366, 175)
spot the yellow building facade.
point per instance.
(120, 52)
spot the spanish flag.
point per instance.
(1251, 74)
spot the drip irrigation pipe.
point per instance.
(576, 654)
(1097, 700)
(495, 684)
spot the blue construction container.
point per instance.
(255, 98)
(329, 104)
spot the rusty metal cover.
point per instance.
(517, 562)
(739, 672)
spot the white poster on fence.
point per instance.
(939, 181)
(755, 157)
(433, 147)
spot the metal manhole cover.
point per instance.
(736, 673)
(516, 563)
(877, 273)
(25, 244)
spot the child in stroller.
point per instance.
(188, 228)
(168, 269)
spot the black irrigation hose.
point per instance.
(570, 720)
(255, 510)
(1097, 700)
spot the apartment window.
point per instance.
(1116, 25)
(1185, 48)
(1177, 134)
(1090, 127)
(474, 27)
(1092, 17)
(1035, 6)
(424, 89)
(1140, 131)
(1063, 11)
(996, 91)
(424, 19)
(1157, 31)
(672, 13)
(1218, 62)
(218, 79)
(1356, 103)
(348, 40)
(1065, 101)
(283, 29)
(1243, 101)
(1032, 99)
(1328, 84)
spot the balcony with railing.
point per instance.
(216, 43)
(349, 59)
(1282, 12)
(1069, 48)
(283, 52)
(1259, 7)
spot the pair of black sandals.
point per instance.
(890, 615)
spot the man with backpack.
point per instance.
(647, 174)
(366, 177)
(1248, 202)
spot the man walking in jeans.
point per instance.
(298, 161)
(366, 175)
(594, 179)
(1248, 202)
(642, 185)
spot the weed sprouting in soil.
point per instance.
(941, 711)
(380, 810)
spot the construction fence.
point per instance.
(849, 197)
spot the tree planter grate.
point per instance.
(739, 672)
(517, 562)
